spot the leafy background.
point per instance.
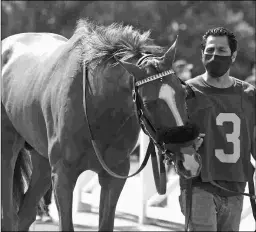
(165, 19)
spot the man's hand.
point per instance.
(190, 150)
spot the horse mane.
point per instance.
(99, 44)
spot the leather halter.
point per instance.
(144, 121)
(148, 128)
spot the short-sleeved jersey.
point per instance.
(227, 117)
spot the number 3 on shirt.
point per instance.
(232, 138)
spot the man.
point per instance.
(224, 110)
(183, 69)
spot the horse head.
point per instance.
(160, 97)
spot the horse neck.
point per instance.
(112, 105)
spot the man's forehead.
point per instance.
(217, 41)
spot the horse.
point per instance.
(59, 93)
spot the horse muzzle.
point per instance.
(190, 167)
(187, 161)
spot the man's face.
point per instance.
(217, 57)
(218, 45)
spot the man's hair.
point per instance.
(220, 31)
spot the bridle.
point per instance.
(144, 121)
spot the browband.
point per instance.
(154, 77)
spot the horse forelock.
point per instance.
(99, 43)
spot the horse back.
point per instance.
(28, 61)
(34, 45)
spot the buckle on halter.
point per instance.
(134, 95)
(168, 158)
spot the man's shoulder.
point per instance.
(248, 94)
(196, 84)
(195, 81)
(200, 100)
(247, 88)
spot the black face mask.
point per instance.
(216, 65)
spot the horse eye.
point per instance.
(150, 104)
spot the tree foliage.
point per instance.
(166, 19)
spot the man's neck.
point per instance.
(224, 81)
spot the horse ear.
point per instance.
(132, 69)
(169, 56)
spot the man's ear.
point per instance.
(233, 57)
